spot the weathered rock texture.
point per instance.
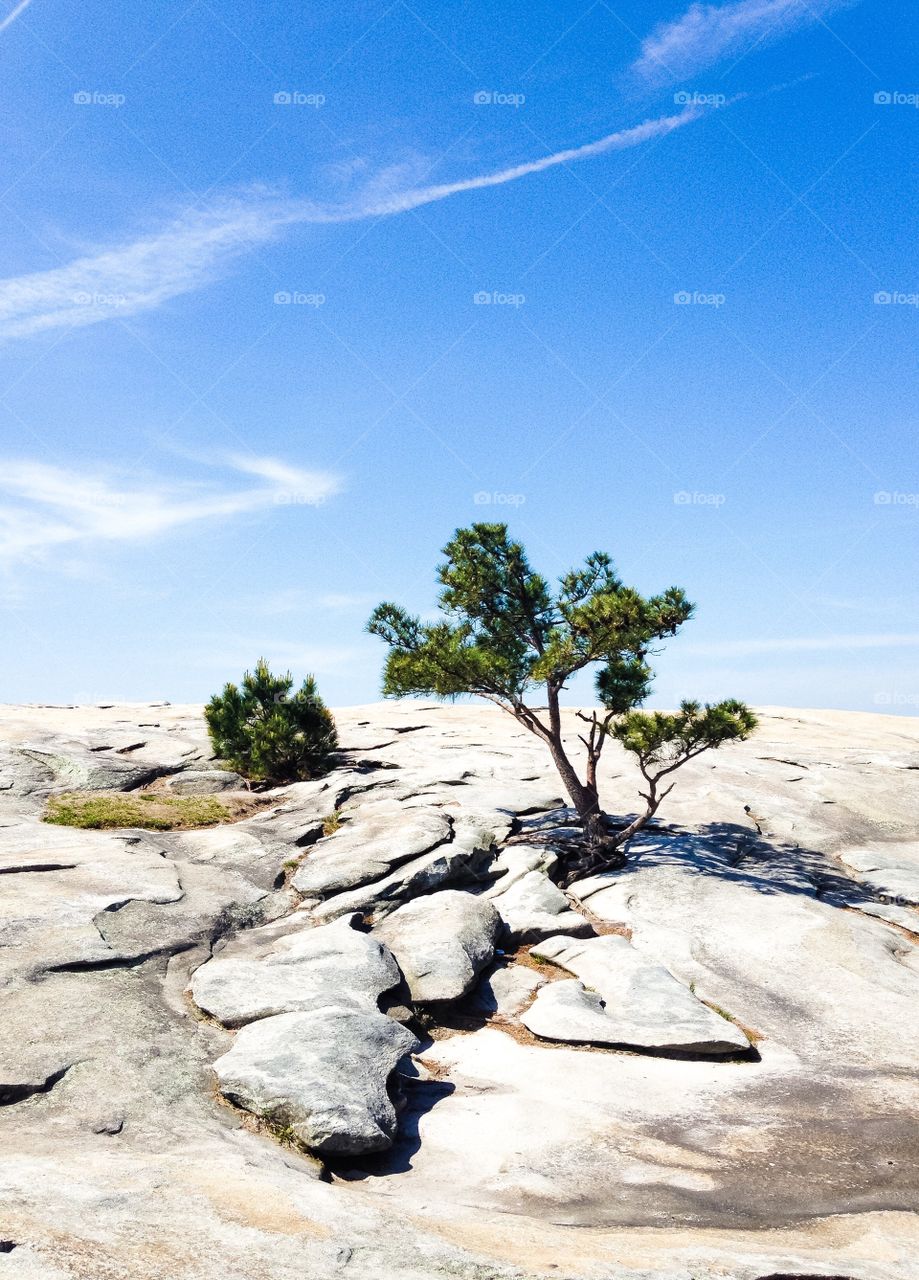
(279, 969)
(629, 1001)
(321, 1075)
(127, 960)
(442, 942)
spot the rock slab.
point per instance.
(633, 1002)
(534, 908)
(265, 972)
(442, 942)
(322, 1074)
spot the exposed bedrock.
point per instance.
(364, 1031)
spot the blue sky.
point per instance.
(289, 295)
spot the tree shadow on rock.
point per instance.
(736, 855)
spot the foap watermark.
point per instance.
(693, 98)
(894, 98)
(894, 498)
(693, 498)
(493, 98)
(99, 299)
(298, 498)
(297, 98)
(94, 98)
(893, 698)
(302, 699)
(494, 298)
(886, 298)
(485, 499)
(296, 298)
(696, 299)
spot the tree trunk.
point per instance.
(602, 853)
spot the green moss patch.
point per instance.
(154, 812)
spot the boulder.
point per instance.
(321, 1074)
(266, 972)
(442, 942)
(506, 992)
(534, 908)
(633, 1002)
(369, 846)
(203, 782)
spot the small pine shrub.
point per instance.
(268, 734)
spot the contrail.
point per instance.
(11, 17)
(184, 256)
(411, 199)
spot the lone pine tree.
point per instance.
(505, 633)
(269, 734)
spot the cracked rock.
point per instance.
(633, 1002)
(322, 1074)
(290, 966)
(442, 942)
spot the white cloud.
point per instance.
(50, 507)
(801, 644)
(194, 249)
(707, 32)
(141, 274)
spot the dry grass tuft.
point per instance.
(149, 810)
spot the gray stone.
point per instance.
(323, 1074)
(84, 771)
(202, 782)
(506, 991)
(890, 869)
(292, 966)
(369, 846)
(632, 1002)
(442, 942)
(447, 865)
(534, 908)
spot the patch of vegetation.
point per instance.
(283, 1133)
(103, 811)
(268, 734)
(332, 823)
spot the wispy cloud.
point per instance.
(705, 33)
(14, 14)
(801, 644)
(45, 507)
(141, 274)
(198, 247)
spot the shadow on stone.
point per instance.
(736, 855)
(420, 1097)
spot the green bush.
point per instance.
(268, 734)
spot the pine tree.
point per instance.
(267, 734)
(505, 633)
